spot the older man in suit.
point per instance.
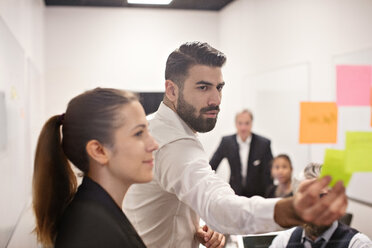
(249, 156)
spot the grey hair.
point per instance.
(311, 171)
(247, 111)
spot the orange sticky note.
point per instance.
(318, 122)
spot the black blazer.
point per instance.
(93, 219)
(260, 156)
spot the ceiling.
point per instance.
(212, 5)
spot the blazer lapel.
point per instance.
(252, 150)
(235, 150)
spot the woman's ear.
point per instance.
(171, 91)
(97, 152)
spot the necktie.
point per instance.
(317, 244)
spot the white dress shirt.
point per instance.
(244, 147)
(359, 240)
(165, 212)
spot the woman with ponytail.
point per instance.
(104, 133)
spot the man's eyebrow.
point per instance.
(203, 83)
(208, 83)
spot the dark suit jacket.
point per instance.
(93, 219)
(270, 192)
(260, 156)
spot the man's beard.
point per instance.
(187, 112)
(313, 230)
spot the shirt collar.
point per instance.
(326, 235)
(165, 112)
(241, 142)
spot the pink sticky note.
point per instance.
(353, 85)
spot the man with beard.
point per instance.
(336, 235)
(165, 212)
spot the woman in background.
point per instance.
(281, 171)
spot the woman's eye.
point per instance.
(138, 134)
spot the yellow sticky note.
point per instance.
(358, 152)
(318, 122)
(334, 166)
(13, 93)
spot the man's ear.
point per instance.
(97, 152)
(171, 91)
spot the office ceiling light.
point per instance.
(159, 2)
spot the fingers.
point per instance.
(331, 207)
(325, 210)
(208, 233)
(222, 241)
(217, 241)
(306, 184)
(201, 235)
(308, 193)
(210, 238)
(204, 234)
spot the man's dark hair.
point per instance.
(189, 54)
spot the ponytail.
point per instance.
(54, 183)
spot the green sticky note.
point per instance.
(334, 166)
(358, 152)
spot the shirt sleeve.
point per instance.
(360, 240)
(182, 169)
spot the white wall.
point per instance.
(263, 38)
(25, 18)
(115, 47)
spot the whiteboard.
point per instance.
(15, 153)
(274, 97)
(2, 122)
(355, 118)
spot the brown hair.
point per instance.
(189, 54)
(91, 115)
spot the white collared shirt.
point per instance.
(359, 240)
(165, 212)
(244, 147)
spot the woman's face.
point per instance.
(131, 158)
(281, 170)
